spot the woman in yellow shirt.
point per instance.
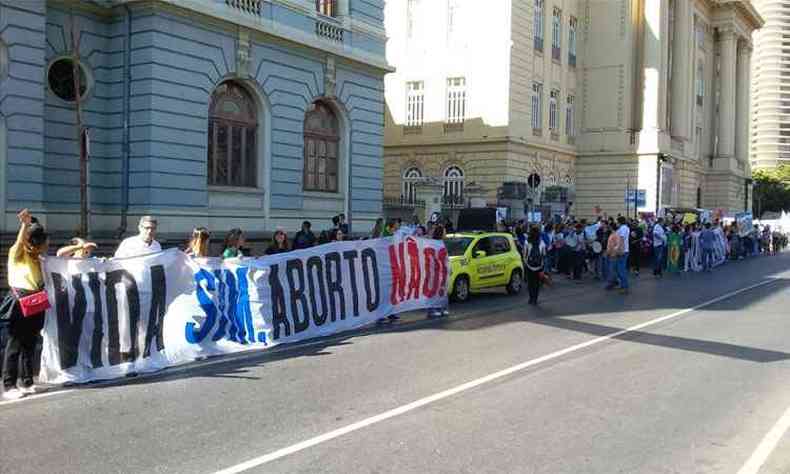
(24, 276)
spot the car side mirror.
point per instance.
(480, 254)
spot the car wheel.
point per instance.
(460, 290)
(516, 282)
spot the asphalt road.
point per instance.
(695, 392)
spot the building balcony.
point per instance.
(329, 28)
(249, 7)
(453, 201)
(403, 202)
(454, 126)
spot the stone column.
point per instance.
(679, 98)
(743, 115)
(727, 98)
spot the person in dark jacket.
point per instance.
(279, 243)
(305, 238)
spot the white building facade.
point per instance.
(594, 96)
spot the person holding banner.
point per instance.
(198, 244)
(438, 234)
(279, 243)
(234, 242)
(26, 280)
(79, 248)
(141, 244)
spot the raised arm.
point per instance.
(18, 248)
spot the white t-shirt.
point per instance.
(659, 236)
(135, 246)
(624, 232)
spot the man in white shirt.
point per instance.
(659, 248)
(143, 243)
(621, 262)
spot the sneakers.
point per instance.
(13, 394)
(29, 390)
(445, 312)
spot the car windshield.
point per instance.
(457, 245)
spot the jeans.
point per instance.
(22, 338)
(618, 271)
(707, 259)
(658, 259)
(603, 262)
(578, 264)
(533, 285)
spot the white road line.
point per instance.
(280, 453)
(767, 445)
(37, 396)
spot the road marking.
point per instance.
(36, 396)
(280, 453)
(767, 445)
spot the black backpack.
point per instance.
(535, 257)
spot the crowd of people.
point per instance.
(611, 250)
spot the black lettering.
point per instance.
(156, 316)
(351, 256)
(69, 321)
(294, 268)
(369, 265)
(335, 286)
(315, 273)
(278, 303)
(98, 320)
(133, 300)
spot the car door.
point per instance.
(486, 272)
(504, 258)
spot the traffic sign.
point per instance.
(636, 195)
(533, 180)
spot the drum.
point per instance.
(597, 247)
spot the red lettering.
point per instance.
(398, 266)
(443, 269)
(431, 285)
(414, 270)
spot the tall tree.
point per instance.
(771, 190)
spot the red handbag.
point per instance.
(33, 303)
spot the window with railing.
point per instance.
(415, 103)
(538, 25)
(252, 7)
(556, 34)
(570, 129)
(572, 25)
(326, 7)
(410, 179)
(537, 109)
(453, 185)
(553, 114)
(456, 100)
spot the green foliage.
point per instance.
(771, 190)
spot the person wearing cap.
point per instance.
(143, 243)
(305, 238)
(79, 248)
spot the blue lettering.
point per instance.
(195, 336)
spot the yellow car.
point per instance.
(480, 260)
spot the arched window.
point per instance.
(410, 178)
(321, 140)
(453, 184)
(232, 137)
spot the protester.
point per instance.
(707, 242)
(342, 225)
(234, 242)
(534, 261)
(79, 248)
(198, 245)
(143, 243)
(392, 226)
(438, 234)
(305, 238)
(279, 243)
(659, 247)
(635, 236)
(619, 254)
(338, 235)
(25, 278)
(378, 229)
(579, 253)
(602, 262)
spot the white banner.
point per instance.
(109, 318)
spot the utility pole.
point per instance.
(77, 73)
